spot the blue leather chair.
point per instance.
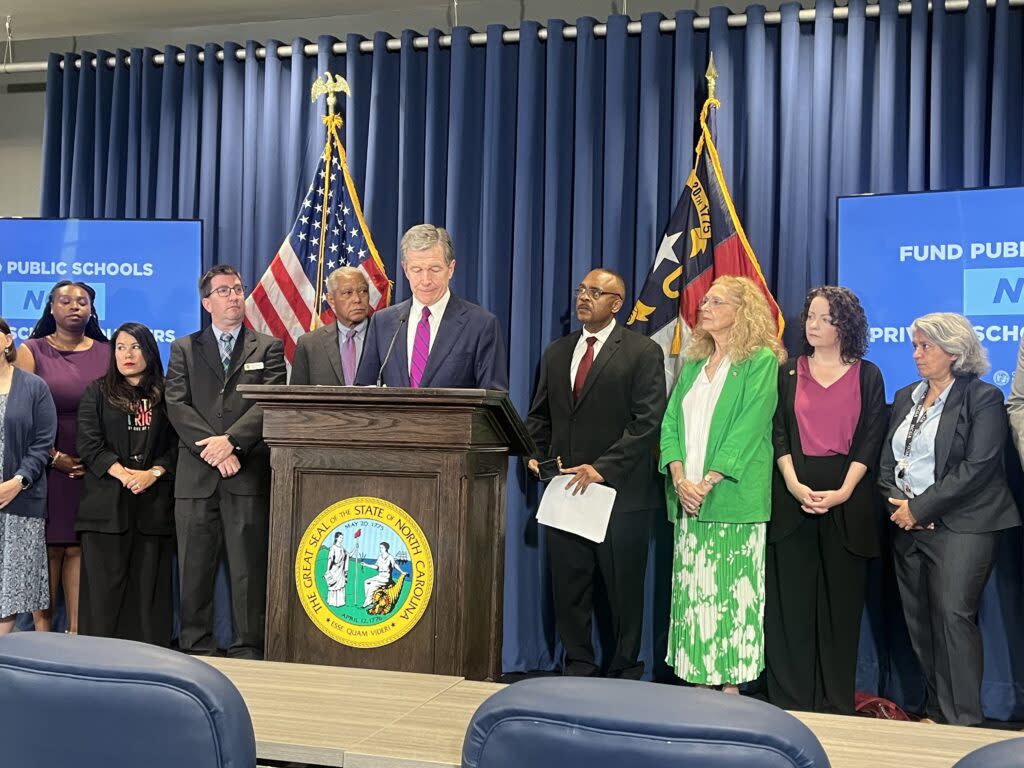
(91, 702)
(1002, 754)
(594, 723)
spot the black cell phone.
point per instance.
(548, 469)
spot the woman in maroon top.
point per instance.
(829, 427)
(67, 350)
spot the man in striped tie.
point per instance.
(222, 479)
(434, 339)
(598, 408)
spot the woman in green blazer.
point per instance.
(716, 453)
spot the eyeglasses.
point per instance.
(226, 290)
(714, 302)
(594, 293)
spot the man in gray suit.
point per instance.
(330, 355)
(221, 486)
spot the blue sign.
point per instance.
(908, 255)
(142, 271)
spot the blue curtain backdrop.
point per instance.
(548, 158)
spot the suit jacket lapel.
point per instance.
(156, 427)
(332, 350)
(734, 378)
(400, 353)
(900, 408)
(245, 345)
(562, 365)
(947, 425)
(451, 328)
(608, 350)
(209, 350)
(116, 426)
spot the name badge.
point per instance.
(254, 366)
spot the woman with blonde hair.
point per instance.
(716, 451)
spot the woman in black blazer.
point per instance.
(942, 474)
(828, 429)
(126, 514)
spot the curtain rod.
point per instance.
(735, 20)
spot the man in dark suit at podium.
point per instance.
(222, 481)
(434, 339)
(330, 354)
(598, 408)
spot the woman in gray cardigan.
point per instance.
(29, 422)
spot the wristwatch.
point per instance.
(710, 480)
(158, 472)
(25, 482)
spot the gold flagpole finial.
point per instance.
(711, 76)
(331, 87)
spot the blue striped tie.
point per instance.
(225, 350)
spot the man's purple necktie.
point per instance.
(420, 349)
(348, 356)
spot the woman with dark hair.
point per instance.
(67, 350)
(126, 518)
(828, 431)
(29, 423)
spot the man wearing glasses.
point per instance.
(434, 339)
(330, 354)
(222, 480)
(597, 411)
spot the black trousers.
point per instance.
(621, 562)
(814, 599)
(238, 526)
(941, 575)
(126, 586)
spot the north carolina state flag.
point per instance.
(704, 239)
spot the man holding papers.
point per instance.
(598, 408)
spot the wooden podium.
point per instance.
(439, 455)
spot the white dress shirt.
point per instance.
(581, 348)
(434, 321)
(698, 407)
(234, 336)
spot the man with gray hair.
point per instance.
(330, 354)
(434, 339)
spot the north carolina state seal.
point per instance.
(364, 572)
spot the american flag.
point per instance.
(330, 221)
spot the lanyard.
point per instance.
(920, 416)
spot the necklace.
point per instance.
(52, 339)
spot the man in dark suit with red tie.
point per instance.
(598, 408)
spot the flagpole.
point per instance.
(332, 123)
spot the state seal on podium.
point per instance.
(364, 572)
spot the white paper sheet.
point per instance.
(585, 514)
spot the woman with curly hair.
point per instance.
(716, 451)
(829, 427)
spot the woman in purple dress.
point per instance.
(67, 350)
